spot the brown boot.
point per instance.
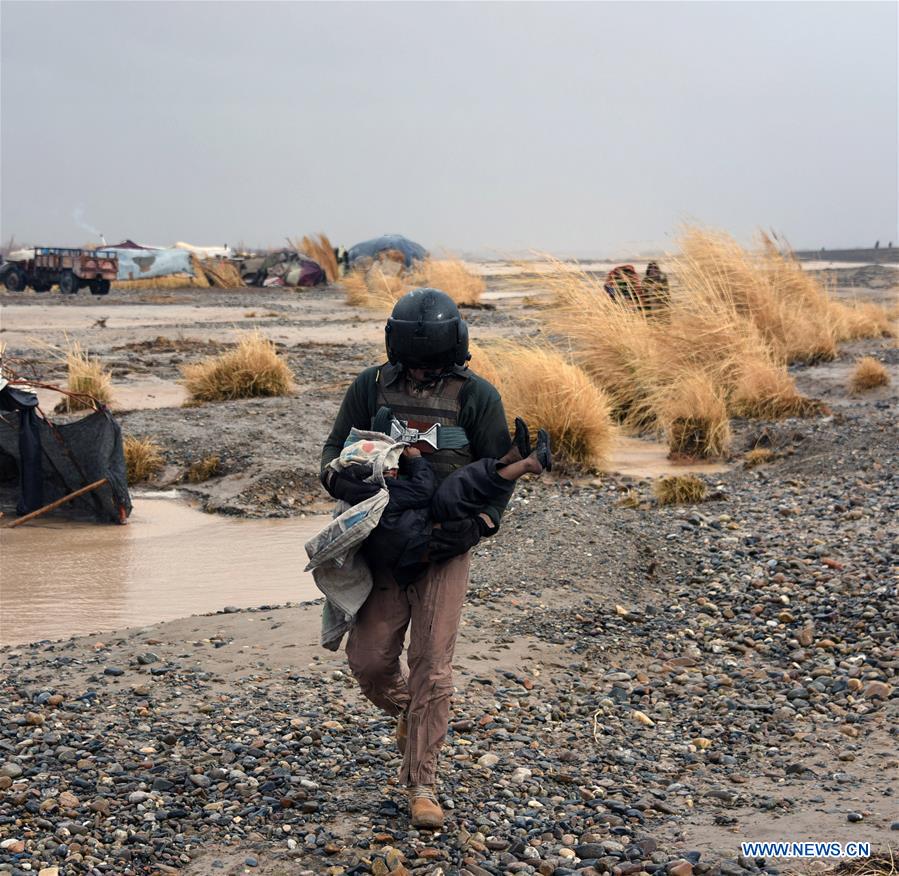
(424, 808)
(402, 732)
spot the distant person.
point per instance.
(656, 295)
(623, 283)
(426, 384)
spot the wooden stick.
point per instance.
(53, 505)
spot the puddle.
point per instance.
(60, 578)
(637, 458)
(137, 395)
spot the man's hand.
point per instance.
(453, 538)
(349, 485)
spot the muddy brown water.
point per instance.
(637, 458)
(135, 395)
(59, 578)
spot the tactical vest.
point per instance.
(441, 405)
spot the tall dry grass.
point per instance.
(540, 385)
(610, 340)
(378, 289)
(253, 368)
(85, 377)
(736, 318)
(319, 249)
(450, 276)
(785, 304)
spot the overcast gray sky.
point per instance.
(591, 128)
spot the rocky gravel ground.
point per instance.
(639, 690)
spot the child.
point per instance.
(418, 505)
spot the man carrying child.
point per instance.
(426, 397)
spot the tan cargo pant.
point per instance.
(433, 604)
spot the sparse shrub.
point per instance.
(86, 377)
(680, 490)
(757, 456)
(206, 468)
(868, 374)
(143, 459)
(252, 368)
(547, 391)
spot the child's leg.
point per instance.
(467, 490)
(512, 471)
(521, 444)
(535, 463)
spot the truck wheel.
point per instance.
(99, 287)
(14, 280)
(69, 283)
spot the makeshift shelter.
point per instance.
(371, 249)
(285, 267)
(44, 462)
(143, 263)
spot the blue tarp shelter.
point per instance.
(412, 251)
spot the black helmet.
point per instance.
(426, 330)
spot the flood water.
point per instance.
(60, 578)
(637, 458)
(140, 394)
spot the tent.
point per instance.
(143, 263)
(370, 249)
(284, 267)
(43, 462)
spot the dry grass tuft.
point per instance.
(450, 276)
(766, 391)
(222, 274)
(542, 387)
(382, 283)
(693, 412)
(319, 249)
(868, 374)
(208, 467)
(251, 369)
(680, 490)
(758, 456)
(87, 377)
(631, 499)
(143, 459)
(374, 288)
(883, 863)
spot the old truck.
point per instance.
(47, 266)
